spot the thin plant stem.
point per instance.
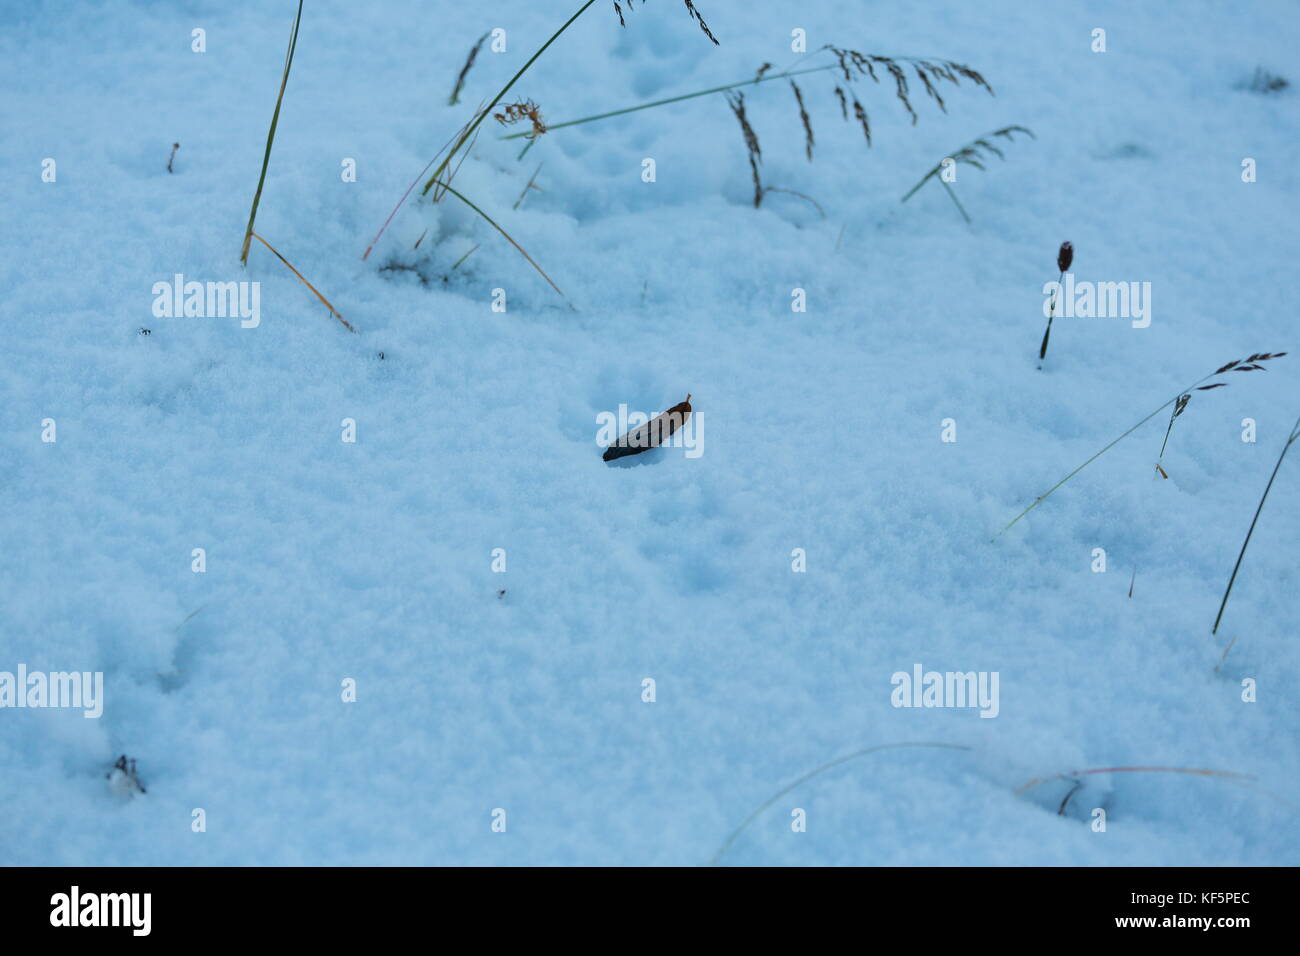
(1173, 416)
(414, 182)
(726, 844)
(677, 99)
(492, 222)
(1042, 349)
(754, 81)
(1295, 433)
(912, 192)
(1073, 790)
(953, 196)
(1043, 497)
(1070, 775)
(531, 184)
(1240, 779)
(1165, 443)
(791, 192)
(457, 263)
(1219, 666)
(968, 151)
(333, 311)
(452, 173)
(483, 114)
(270, 135)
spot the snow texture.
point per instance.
(372, 560)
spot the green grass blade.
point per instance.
(504, 90)
(953, 196)
(677, 99)
(270, 136)
(924, 179)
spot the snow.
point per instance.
(372, 560)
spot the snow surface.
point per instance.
(372, 560)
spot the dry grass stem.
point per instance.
(731, 839)
(510, 239)
(975, 153)
(333, 311)
(519, 111)
(1250, 364)
(1074, 774)
(532, 184)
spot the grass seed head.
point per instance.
(1065, 257)
(690, 8)
(518, 112)
(809, 140)
(1248, 364)
(464, 70)
(854, 65)
(861, 114)
(737, 103)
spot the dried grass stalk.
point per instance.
(519, 111)
(1250, 364)
(466, 134)
(510, 239)
(1072, 774)
(972, 154)
(333, 311)
(731, 838)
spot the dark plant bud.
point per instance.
(1065, 257)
